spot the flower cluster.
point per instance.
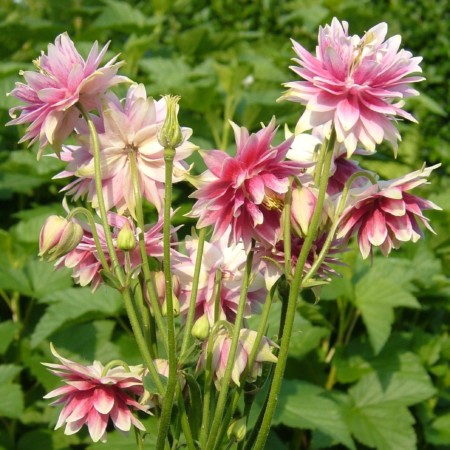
(268, 212)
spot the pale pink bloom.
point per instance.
(303, 205)
(63, 79)
(84, 258)
(271, 261)
(91, 396)
(247, 191)
(128, 128)
(357, 84)
(385, 215)
(230, 261)
(221, 351)
(305, 147)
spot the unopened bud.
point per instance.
(126, 240)
(175, 306)
(201, 327)
(170, 135)
(58, 237)
(237, 430)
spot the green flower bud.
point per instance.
(170, 135)
(201, 327)
(58, 237)
(175, 306)
(126, 240)
(237, 430)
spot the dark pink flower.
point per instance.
(92, 395)
(357, 84)
(385, 214)
(247, 191)
(63, 79)
(84, 259)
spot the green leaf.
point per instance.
(7, 331)
(151, 387)
(377, 293)
(71, 304)
(120, 15)
(438, 433)
(378, 414)
(8, 372)
(11, 401)
(304, 405)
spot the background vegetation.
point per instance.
(369, 364)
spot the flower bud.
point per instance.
(58, 237)
(170, 135)
(126, 240)
(175, 306)
(237, 430)
(200, 330)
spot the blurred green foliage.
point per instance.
(369, 363)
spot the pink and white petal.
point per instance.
(97, 424)
(103, 400)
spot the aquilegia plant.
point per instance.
(272, 220)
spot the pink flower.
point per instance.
(92, 395)
(357, 84)
(127, 129)
(84, 258)
(305, 147)
(63, 79)
(385, 214)
(271, 261)
(230, 261)
(221, 351)
(247, 191)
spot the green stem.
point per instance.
(225, 382)
(336, 222)
(101, 201)
(156, 308)
(140, 340)
(293, 294)
(90, 218)
(185, 421)
(169, 154)
(193, 298)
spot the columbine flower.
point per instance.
(305, 147)
(84, 259)
(63, 79)
(221, 350)
(354, 83)
(271, 261)
(247, 191)
(129, 130)
(92, 396)
(385, 214)
(230, 261)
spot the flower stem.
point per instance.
(140, 339)
(193, 298)
(169, 154)
(336, 222)
(324, 170)
(225, 383)
(156, 309)
(86, 213)
(101, 201)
